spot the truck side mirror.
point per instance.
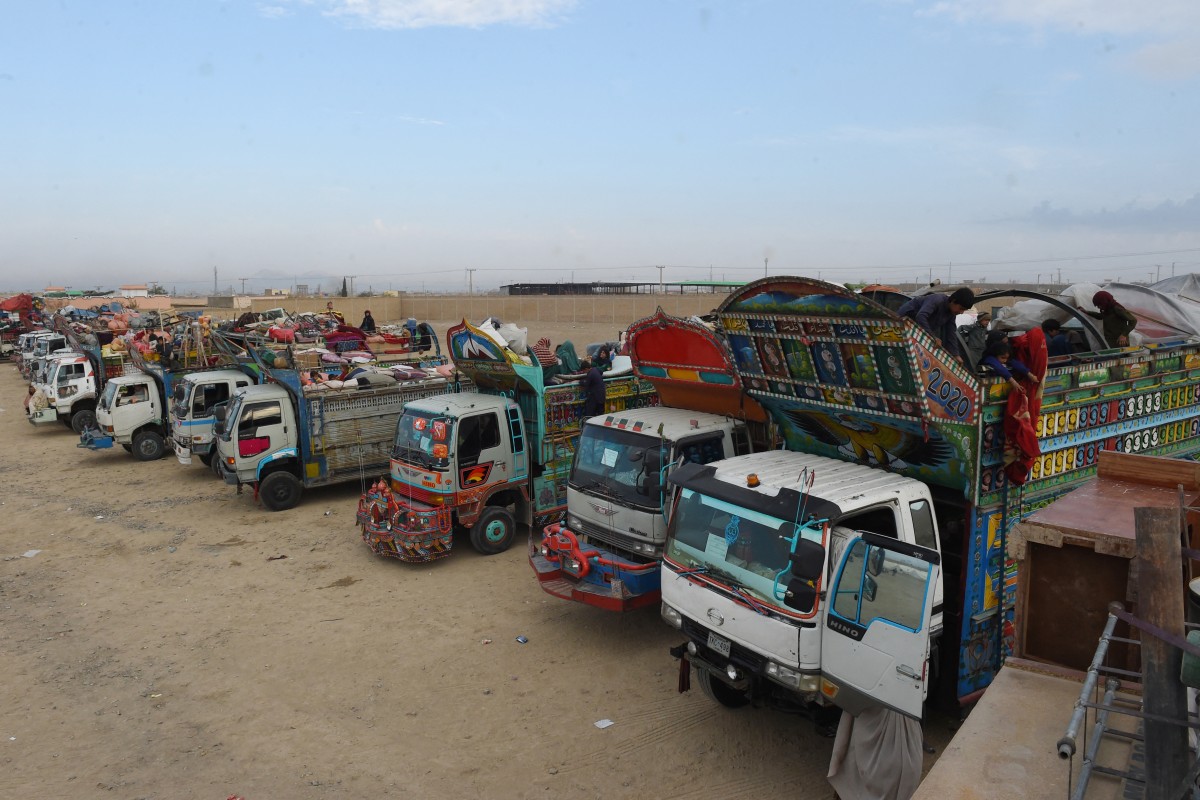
(219, 412)
(808, 560)
(650, 478)
(870, 589)
(801, 595)
(875, 560)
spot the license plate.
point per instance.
(718, 644)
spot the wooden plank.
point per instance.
(1151, 470)
(1160, 603)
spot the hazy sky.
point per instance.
(404, 142)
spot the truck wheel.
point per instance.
(128, 448)
(148, 446)
(83, 419)
(494, 531)
(280, 491)
(719, 691)
(206, 459)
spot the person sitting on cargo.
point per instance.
(368, 323)
(998, 358)
(1057, 343)
(1118, 322)
(937, 313)
(603, 359)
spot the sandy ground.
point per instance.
(171, 639)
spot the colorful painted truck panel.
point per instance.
(483, 463)
(845, 378)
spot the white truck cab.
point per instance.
(606, 551)
(70, 388)
(193, 399)
(752, 535)
(132, 413)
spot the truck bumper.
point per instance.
(44, 416)
(94, 440)
(587, 574)
(229, 477)
(394, 529)
(183, 454)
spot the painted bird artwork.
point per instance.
(871, 443)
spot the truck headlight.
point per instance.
(671, 616)
(791, 678)
(573, 523)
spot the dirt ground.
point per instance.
(165, 637)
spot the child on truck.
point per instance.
(998, 358)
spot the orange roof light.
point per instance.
(752, 480)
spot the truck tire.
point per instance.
(128, 448)
(83, 419)
(721, 692)
(280, 491)
(148, 446)
(494, 531)
(206, 459)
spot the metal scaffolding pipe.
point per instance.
(1093, 748)
(1066, 745)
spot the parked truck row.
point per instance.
(895, 462)
(814, 492)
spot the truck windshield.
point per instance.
(106, 399)
(423, 439)
(613, 463)
(737, 546)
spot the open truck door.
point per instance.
(875, 640)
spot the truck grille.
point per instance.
(618, 541)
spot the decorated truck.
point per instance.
(607, 550)
(282, 437)
(484, 462)
(908, 465)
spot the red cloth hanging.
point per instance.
(1021, 446)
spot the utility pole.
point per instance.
(471, 280)
(214, 280)
(352, 277)
(1157, 272)
(243, 280)
(1060, 276)
(765, 260)
(660, 279)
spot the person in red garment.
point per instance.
(1021, 446)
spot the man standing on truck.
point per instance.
(936, 313)
(593, 390)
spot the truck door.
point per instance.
(479, 453)
(260, 429)
(875, 641)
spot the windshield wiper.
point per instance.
(738, 588)
(600, 486)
